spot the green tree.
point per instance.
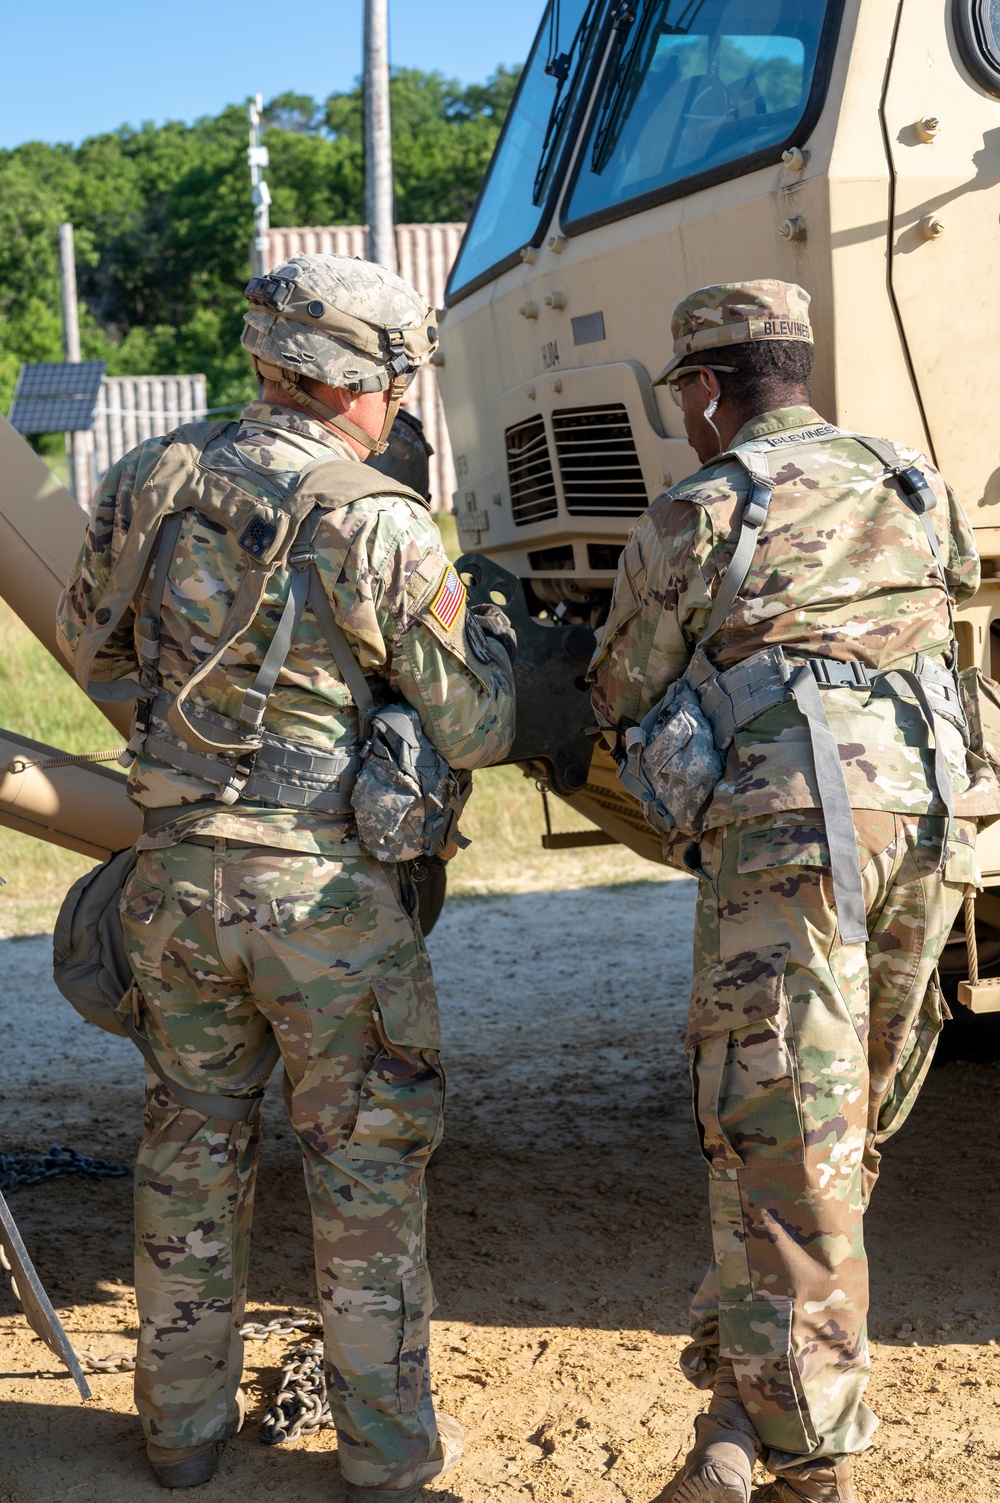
(163, 219)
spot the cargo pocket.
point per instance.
(418, 1305)
(401, 1106)
(782, 845)
(756, 1336)
(744, 1076)
(914, 1061)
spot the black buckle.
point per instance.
(257, 537)
(755, 507)
(916, 492)
(273, 292)
(835, 674)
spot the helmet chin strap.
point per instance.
(287, 381)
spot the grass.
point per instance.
(504, 818)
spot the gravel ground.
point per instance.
(568, 1229)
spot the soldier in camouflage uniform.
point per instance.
(256, 930)
(806, 1052)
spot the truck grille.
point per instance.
(600, 469)
(529, 469)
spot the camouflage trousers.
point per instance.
(235, 947)
(806, 1055)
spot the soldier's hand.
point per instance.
(493, 621)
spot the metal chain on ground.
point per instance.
(299, 1405)
(285, 1325)
(19, 1169)
(115, 1362)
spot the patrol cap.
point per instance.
(737, 313)
(343, 321)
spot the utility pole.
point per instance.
(79, 446)
(260, 195)
(378, 137)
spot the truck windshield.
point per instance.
(697, 87)
(508, 214)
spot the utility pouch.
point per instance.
(672, 763)
(89, 962)
(980, 697)
(407, 801)
(981, 702)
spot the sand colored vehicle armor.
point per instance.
(845, 147)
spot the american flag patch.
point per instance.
(449, 599)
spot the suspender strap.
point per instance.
(149, 622)
(299, 559)
(916, 492)
(350, 668)
(845, 864)
(752, 519)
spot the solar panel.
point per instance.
(56, 396)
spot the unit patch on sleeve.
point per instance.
(449, 599)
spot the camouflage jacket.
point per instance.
(842, 570)
(383, 565)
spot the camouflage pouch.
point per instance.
(672, 763)
(407, 800)
(980, 697)
(89, 962)
(981, 703)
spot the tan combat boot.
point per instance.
(407, 1487)
(815, 1484)
(719, 1466)
(190, 1466)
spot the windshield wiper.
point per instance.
(563, 67)
(629, 64)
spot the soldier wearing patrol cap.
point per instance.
(261, 594)
(777, 680)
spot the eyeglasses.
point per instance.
(690, 370)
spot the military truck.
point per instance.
(655, 145)
(659, 145)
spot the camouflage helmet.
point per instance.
(342, 321)
(737, 313)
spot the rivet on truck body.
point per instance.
(793, 229)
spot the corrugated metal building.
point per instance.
(425, 254)
(132, 408)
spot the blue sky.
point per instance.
(74, 69)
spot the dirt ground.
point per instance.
(568, 1230)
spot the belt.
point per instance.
(733, 699)
(155, 819)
